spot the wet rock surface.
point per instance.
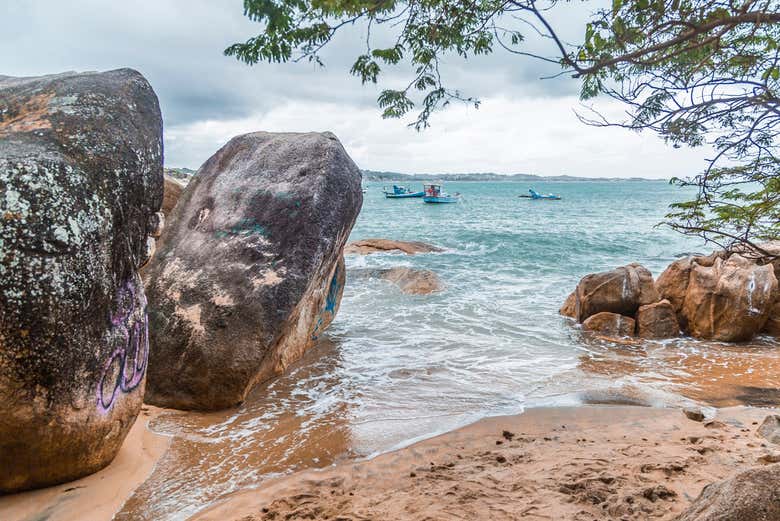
(409, 280)
(723, 296)
(80, 184)
(772, 326)
(751, 495)
(369, 246)
(610, 324)
(657, 320)
(248, 270)
(622, 290)
(729, 301)
(569, 308)
(672, 284)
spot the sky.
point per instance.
(524, 124)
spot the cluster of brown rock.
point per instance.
(411, 281)
(725, 296)
(248, 271)
(623, 302)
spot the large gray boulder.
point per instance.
(247, 273)
(80, 184)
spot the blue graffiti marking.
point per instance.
(330, 302)
(246, 226)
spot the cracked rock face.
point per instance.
(80, 183)
(249, 270)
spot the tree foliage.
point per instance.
(697, 72)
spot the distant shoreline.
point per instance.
(372, 175)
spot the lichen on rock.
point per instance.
(80, 178)
(249, 269)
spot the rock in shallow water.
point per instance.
(248, 272)
(410, 280)
(772, 326)
(369, 246)
(569, 308)
(729, 301)
(722, 296)
(80, 183)
(622, 290)
(610, 324)
(657, 320)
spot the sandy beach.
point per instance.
(98, 496)
(594, 462)
(583, 463)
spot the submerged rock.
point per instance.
(248, 270)
(413, 281)
(657, 320)
(622, 291)
(610, 324)
(729, 301)
(369, 246)
(751, 495)
(80, 184)
(569, 308)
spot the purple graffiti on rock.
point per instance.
(124, 371)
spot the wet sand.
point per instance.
(567, 463)
(716, 374)
(206, 457)
(98, 496)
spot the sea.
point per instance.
(396, 368)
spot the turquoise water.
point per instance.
(493, 341)
(395, 368)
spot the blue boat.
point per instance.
(536, 195)
(433, 194)
(401, 192)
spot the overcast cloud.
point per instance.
(524, 124)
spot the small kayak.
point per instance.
(533, 194)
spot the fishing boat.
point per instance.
(434, 194)
(533, 194)
(401, 192)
